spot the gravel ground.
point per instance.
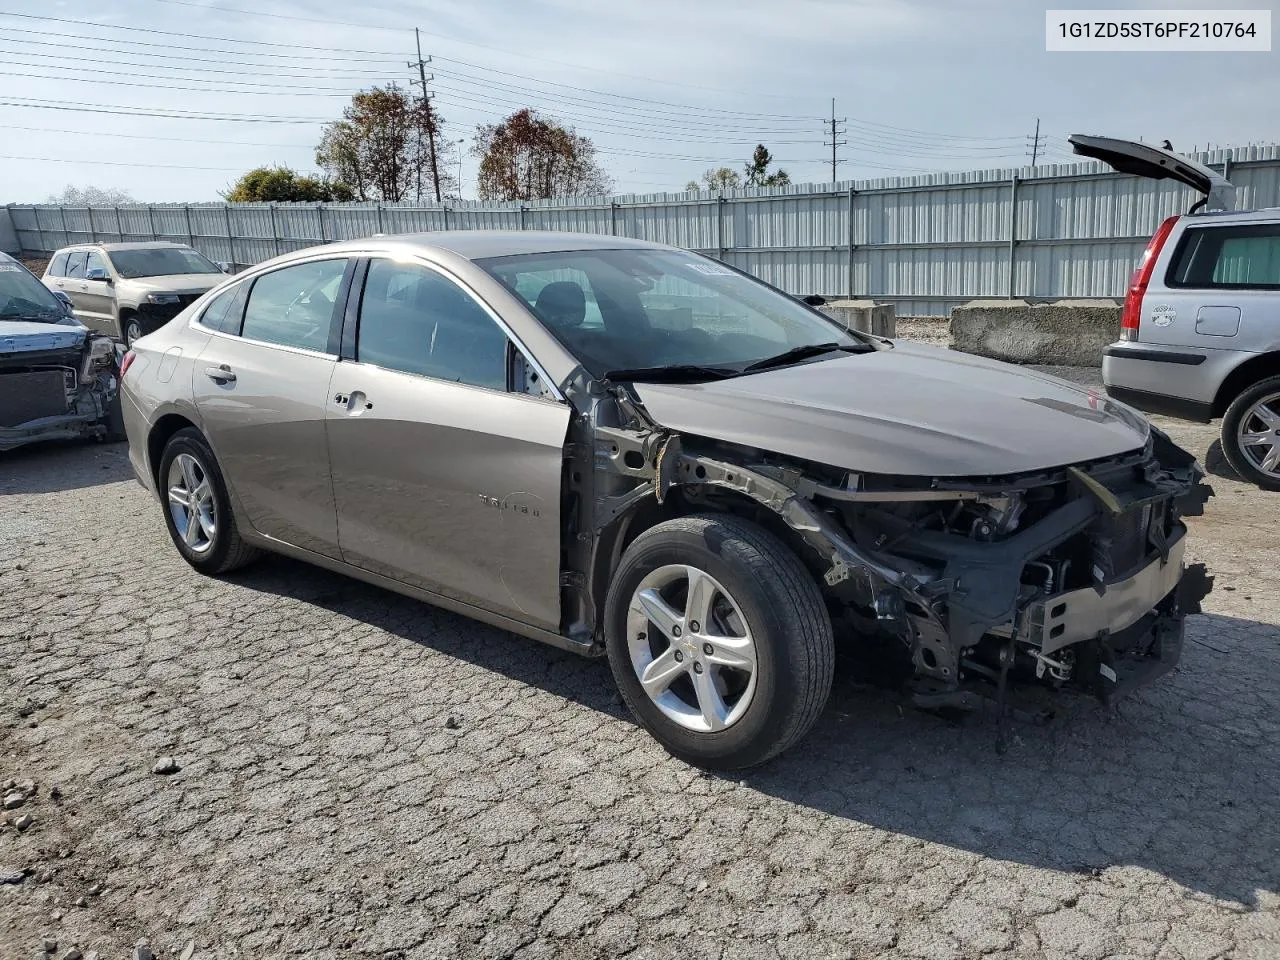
(288, 762)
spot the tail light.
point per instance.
(1131, 318)
(126, 362)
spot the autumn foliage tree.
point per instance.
(381, 148)
(529, 157)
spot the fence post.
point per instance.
(62, 216)
(231, 240)
(1013, 232)
(93, 227)
(851, 245)
(446, 216)
(523, 208)
(151, 220)
(720, 208)
(613, 217)
(191, 237)
(275, 233)
(320, 214)
(119, 225)
(380, 230)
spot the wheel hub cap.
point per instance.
(691, 648)
(1259, 435)
(191, 503)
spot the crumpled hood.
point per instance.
(912, 410)
(178, 283)
(23, 336)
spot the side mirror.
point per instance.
(98, 273)
(64, 300)
(226, 266)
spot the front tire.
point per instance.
(1251, 434)
(130, 329)
(197, 508)
(719, 640)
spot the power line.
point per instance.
(39, 103)
(114, 135)
(276, 92)
(117, 163)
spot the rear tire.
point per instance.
(197, 508)
(1255, 414)
(763, 610)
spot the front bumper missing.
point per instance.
(1066, 618)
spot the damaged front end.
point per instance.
(1070, 577)
(57, 382)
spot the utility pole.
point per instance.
(426, 106)
(835, 132)
(1035, 143)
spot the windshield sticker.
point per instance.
(712, 270)
(10, 268)
(1163, 315)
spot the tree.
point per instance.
(528, 157)
(91, 196)
(723, 178)
(379, 149)
(282, 185)
(757, 170)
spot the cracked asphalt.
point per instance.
(361, 774)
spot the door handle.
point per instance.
(220, 374)
(354, 402)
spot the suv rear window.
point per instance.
(1246, 256)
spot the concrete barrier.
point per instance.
(1066, 333)
(867, 316)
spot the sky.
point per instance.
(169, 100)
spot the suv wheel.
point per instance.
(719, 640)
(132, 330)
(197, 509)
(1251, 434)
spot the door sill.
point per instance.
(581, 647)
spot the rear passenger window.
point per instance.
(75, 263)
(1232, 257)
(58, 265)
(225, 311)
(418, 321)
(293, 306)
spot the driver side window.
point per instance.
(294, 306)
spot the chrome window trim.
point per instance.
(420, 260)
(246, 278)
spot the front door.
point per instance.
(261, 385)
(97, 296)
(445, 476)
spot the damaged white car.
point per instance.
(58, 381)
(627, 449)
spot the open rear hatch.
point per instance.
(1156, 163)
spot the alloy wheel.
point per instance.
(191, 503)
(1259, 434)
(132, 332)
(691, 648)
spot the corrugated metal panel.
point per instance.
(924, 242)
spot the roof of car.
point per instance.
(478, 244)
(138, 245)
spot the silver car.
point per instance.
(624, 448)
(1200, 332)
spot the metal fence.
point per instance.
(923, 243)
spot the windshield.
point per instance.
(636, 311)
(23, 297)
(160, 262)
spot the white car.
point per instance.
(127, 290)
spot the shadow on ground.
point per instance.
(63, 465)
(1182, 779)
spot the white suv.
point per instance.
(1200, 333)
(126, 290)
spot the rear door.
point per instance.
(73, 286)
(446, 476)
(261, 385)
(1219, 290)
